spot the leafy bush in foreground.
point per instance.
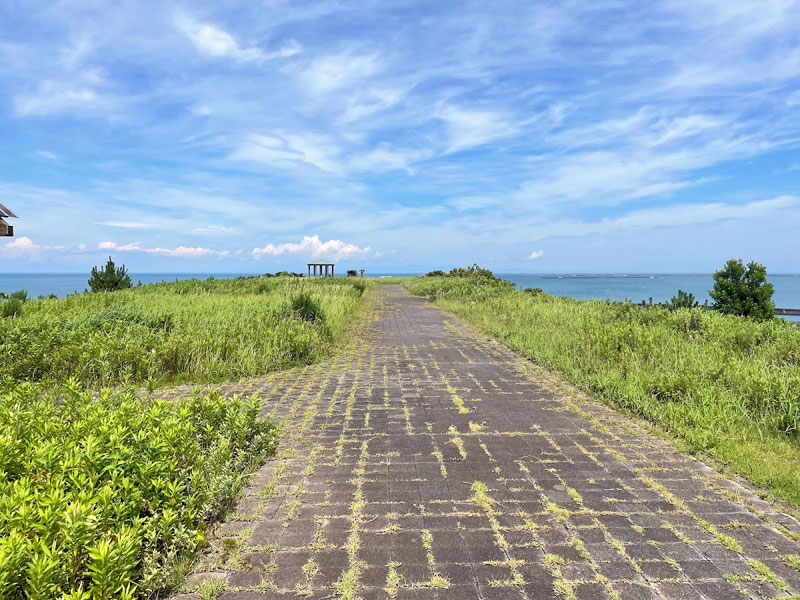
(743, 291)
(100, 497)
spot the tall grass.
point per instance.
(172, 332)
(725, 385)
(105, 495)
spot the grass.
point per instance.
(107, 495)
(186, 331)
(725, 385)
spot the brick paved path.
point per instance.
(426, 462)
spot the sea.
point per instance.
(634, 287)
(644, 287)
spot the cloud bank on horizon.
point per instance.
(609, 136)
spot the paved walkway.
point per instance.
(427, 462)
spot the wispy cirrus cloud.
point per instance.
(55, 97)
(127, 224)
(179, 252)
(468, 128)
(429, 129)
(285, 150)
(218, 43)
(333, 72)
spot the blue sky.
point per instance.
(606, 136)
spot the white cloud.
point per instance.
(468, 128)
(369, 102)
(386, 158)
(314, 247)
(48, 155)
(536, 255)
(25, 247)
(127, 224)
(200, 110)
(676, 215)
(282, 150)
(215, 41)
(336, 71)
(20, 247)
(214, 230)
(179, 252)
(53, 97)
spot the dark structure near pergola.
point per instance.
(6, 230)
(321, 268)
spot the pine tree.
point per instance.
(109, 278)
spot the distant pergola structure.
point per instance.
(6, 230)
(320, 268)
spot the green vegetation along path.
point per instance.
(427, 462)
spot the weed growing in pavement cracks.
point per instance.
(726, 385)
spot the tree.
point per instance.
(110, 278)
(683, 300)
(744, 291)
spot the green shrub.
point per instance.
(12, 307)
(472, 272)
(743, 291)
(534, 291)
(21, 295)
(472, 281)
(359, 285)
(110, 278)
(305, 308)
(102, 496)
(683, 300)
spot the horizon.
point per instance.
(536, 138)
(395, 272)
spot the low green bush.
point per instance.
(473, 282)
(305, 308)
(103, 496)
(12, 308)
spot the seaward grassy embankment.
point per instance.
(185, 331)
(108, 494)
(724, 385)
